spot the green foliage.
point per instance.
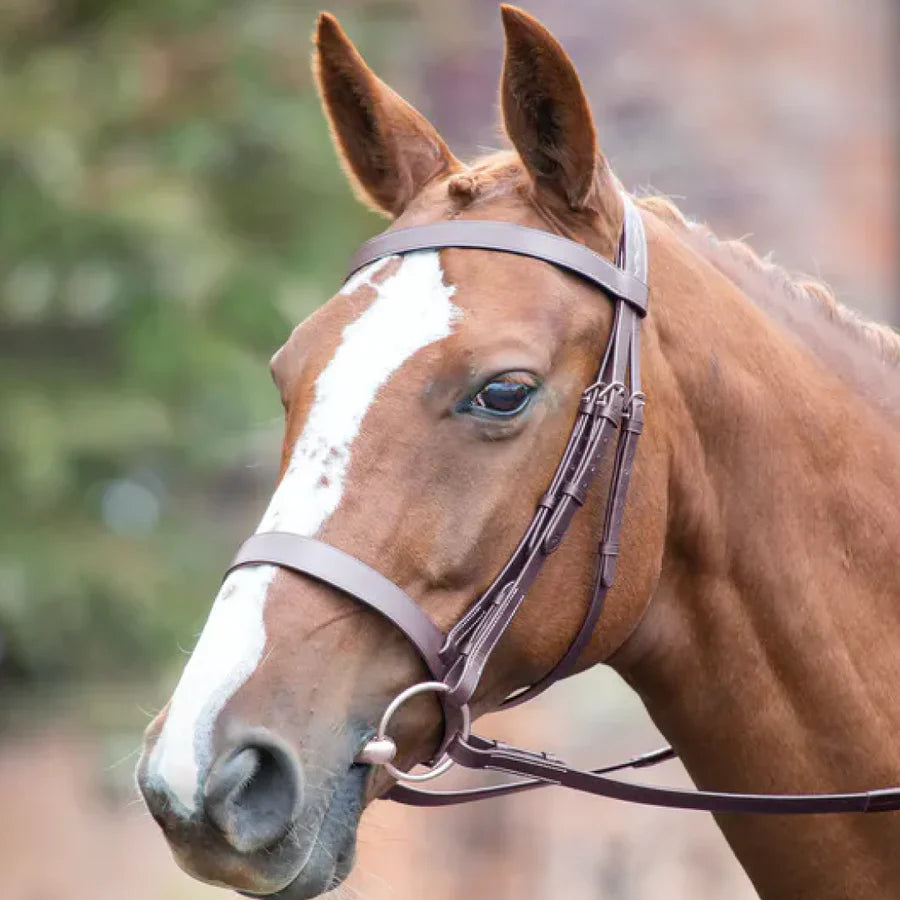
(170, 206)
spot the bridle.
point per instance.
(611, 406)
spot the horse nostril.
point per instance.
(252, 794)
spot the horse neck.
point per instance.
(769, 653)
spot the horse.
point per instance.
(756, 609)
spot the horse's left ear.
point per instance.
(548, 118)
(390, 150)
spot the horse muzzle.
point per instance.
(257, 828)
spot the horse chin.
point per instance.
(333, 849)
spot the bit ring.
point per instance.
(445, 762)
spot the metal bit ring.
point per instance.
(445, 762)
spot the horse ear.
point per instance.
(547, 115)
(390, 150)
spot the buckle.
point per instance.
(599, 393)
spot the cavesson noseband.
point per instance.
(611, 406)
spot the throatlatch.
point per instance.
(611, 407)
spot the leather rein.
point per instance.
(611, 410)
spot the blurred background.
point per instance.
(170, 206)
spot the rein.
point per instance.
(611, 407)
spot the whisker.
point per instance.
(125, 758)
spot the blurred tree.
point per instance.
(170, 206)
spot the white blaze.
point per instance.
(412, 309)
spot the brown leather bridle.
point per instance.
(611, 406)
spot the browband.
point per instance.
(505, 237)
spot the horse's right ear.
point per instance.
(548, 119)
(390, 150)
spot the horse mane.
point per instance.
(740, 262)
(865, 354)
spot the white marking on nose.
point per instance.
(228, 651)
(411, 310)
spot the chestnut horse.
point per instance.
(757, 609)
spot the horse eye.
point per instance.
(503, 396)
